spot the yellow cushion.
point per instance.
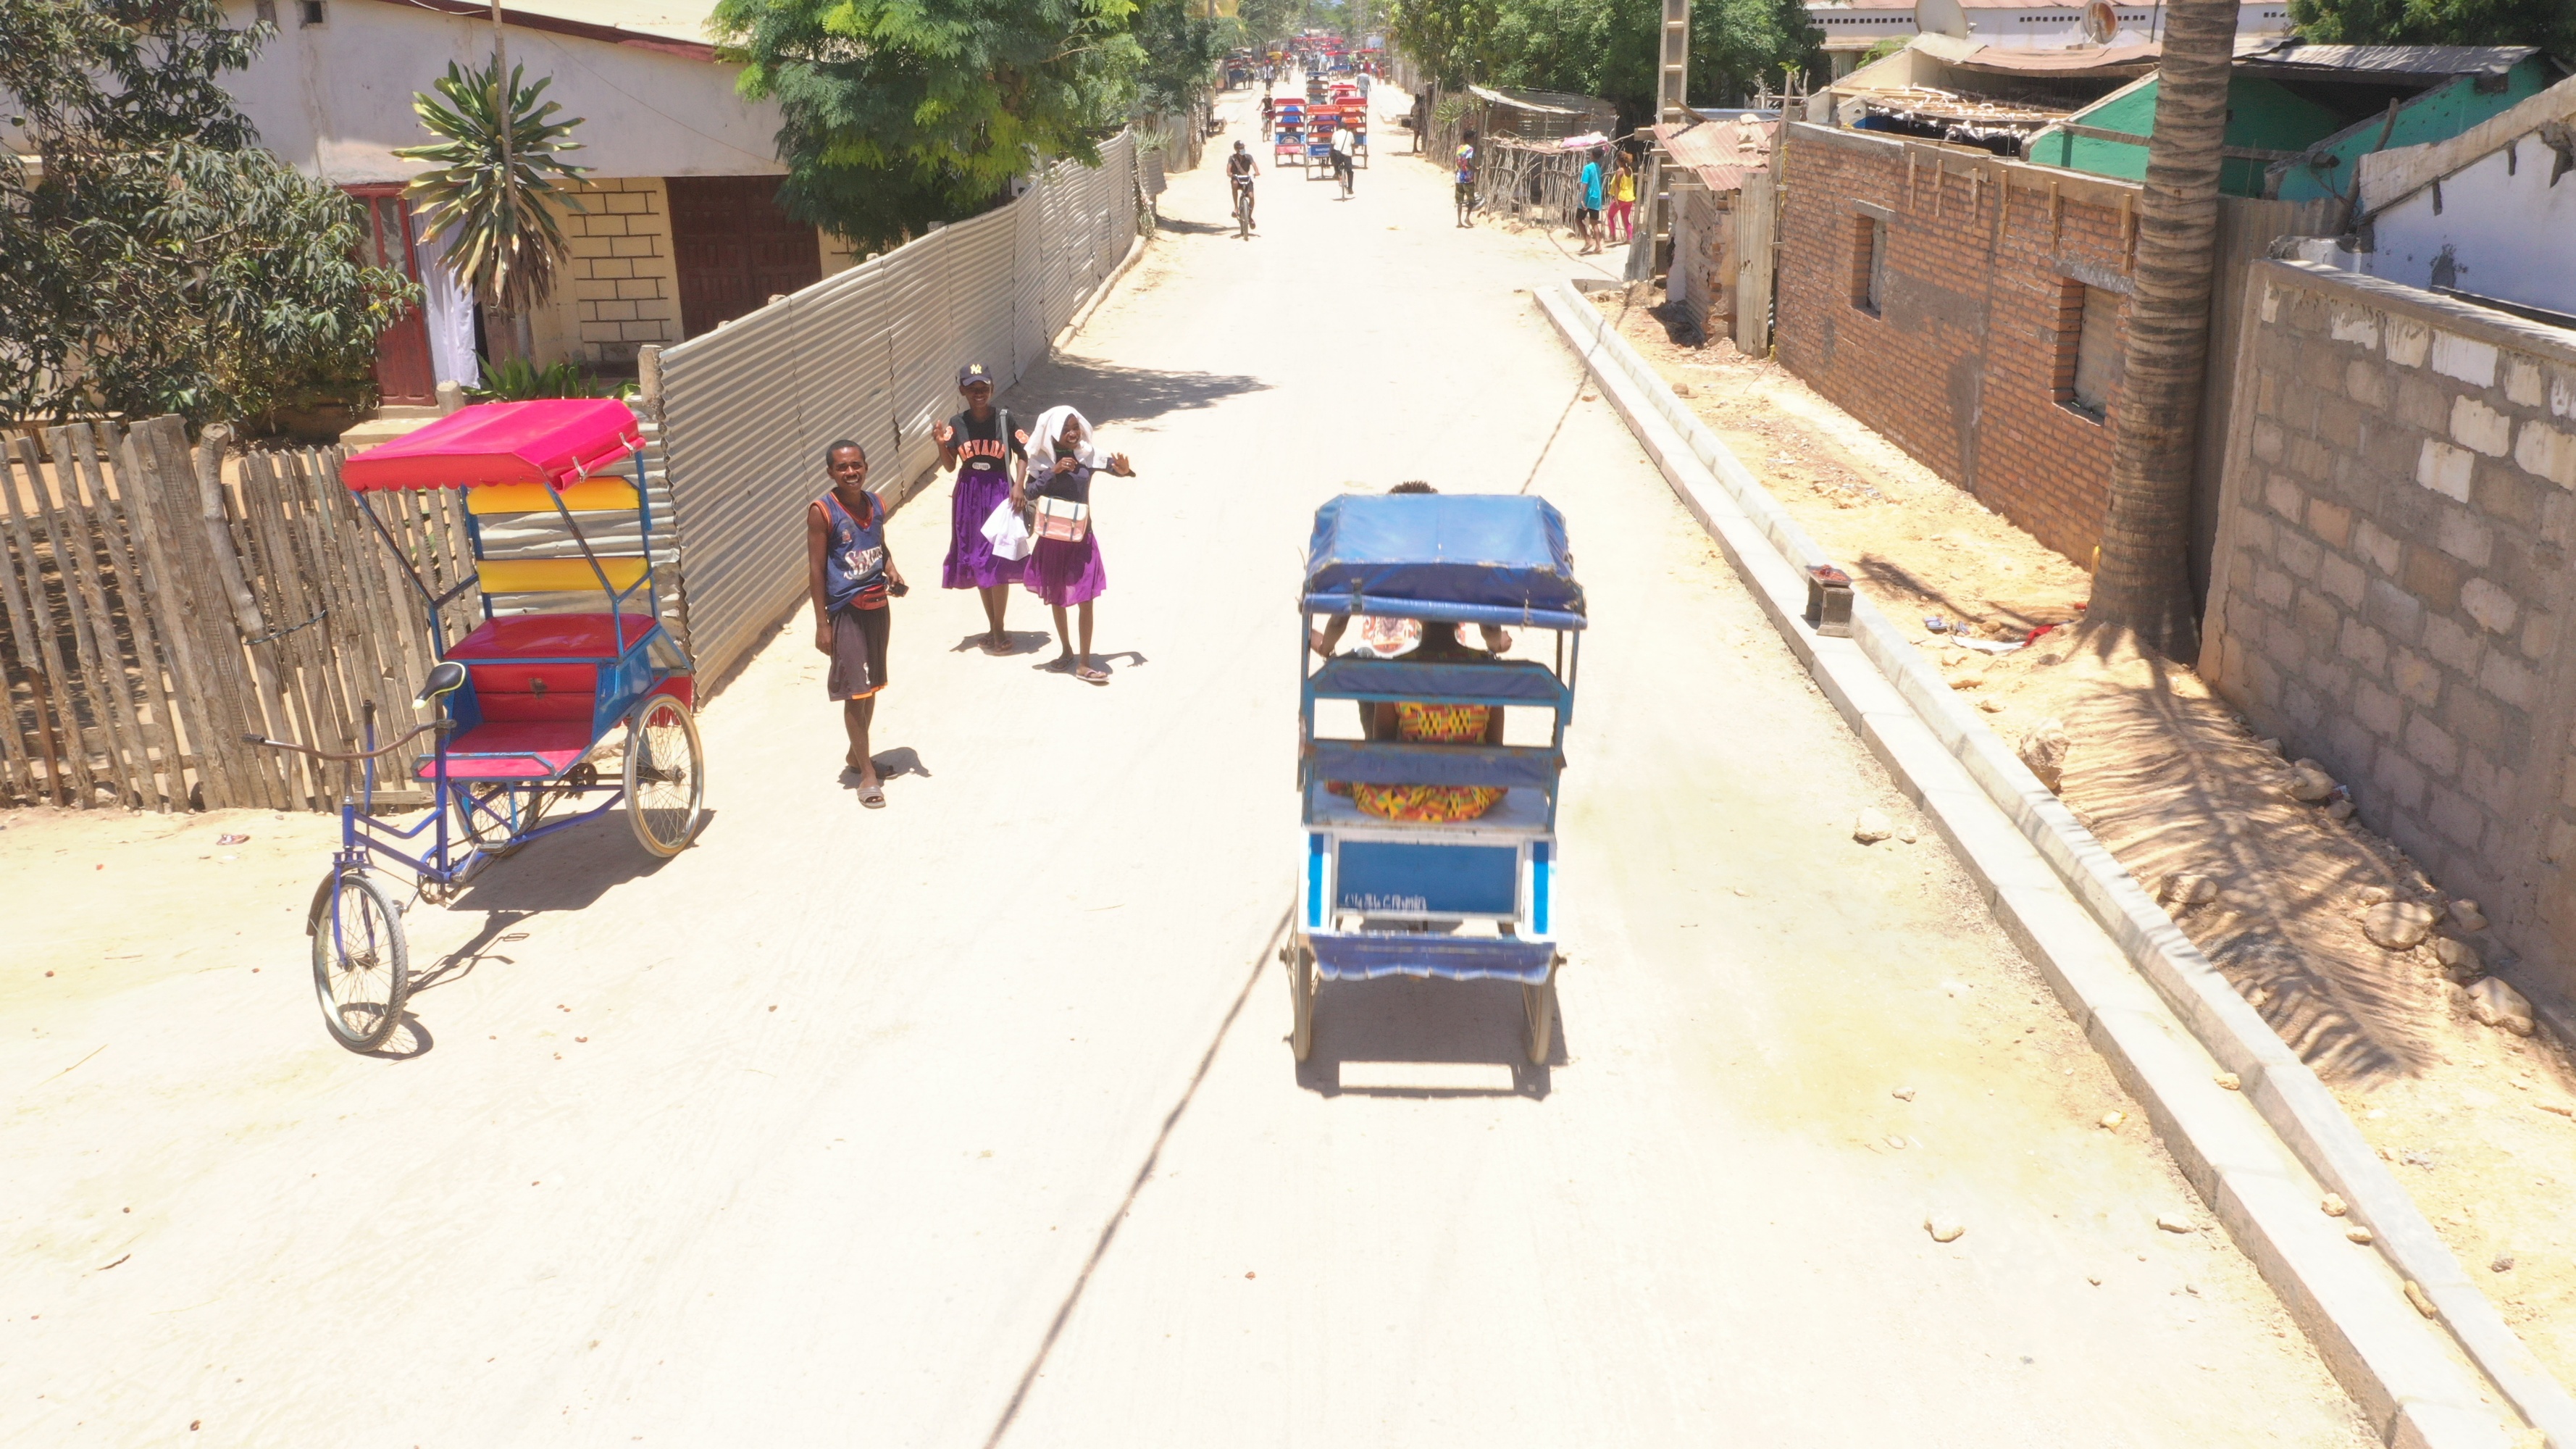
(591, 494)
(539, 575)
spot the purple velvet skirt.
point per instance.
(1066, 573)
(970, 563)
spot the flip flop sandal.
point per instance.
(1092, 676)
(873, 797)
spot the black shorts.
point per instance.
(1587, 213)
(858, 652)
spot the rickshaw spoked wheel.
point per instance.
(1301, 982)
(1538, 1004)
(665, 776)
(361, 964)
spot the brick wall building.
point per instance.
(2392, 580)
(1940, 295)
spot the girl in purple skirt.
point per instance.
(1063, 571)
(981, 445)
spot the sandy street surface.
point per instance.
(2480, 1122)
(972, 1120)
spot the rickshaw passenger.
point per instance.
(1414, 723)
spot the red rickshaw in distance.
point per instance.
(529, 707)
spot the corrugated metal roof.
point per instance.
(1723, 152)
(2389, 60)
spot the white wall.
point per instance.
(2051, 26)
(2510, 234)
(335, 99)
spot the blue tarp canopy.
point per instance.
(1489, 558)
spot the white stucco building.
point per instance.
(680, 229)
(1851, 27)
(2490, 212)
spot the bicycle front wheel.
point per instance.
(361, 965)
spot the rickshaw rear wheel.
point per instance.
(665, 776)
(361, 964)
(1301, 982)
(1538, 1004)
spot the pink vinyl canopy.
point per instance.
(557, 441)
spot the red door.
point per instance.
(736, 247)
(404, 375)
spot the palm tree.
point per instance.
(2143, 581)
(491, 184)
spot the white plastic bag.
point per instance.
(1004, 531)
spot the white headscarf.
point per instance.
(1042, 443)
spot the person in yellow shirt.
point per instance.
(1623, 199)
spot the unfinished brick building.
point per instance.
(1967, 308)
(1973, 311)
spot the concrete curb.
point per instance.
(2257, 1156)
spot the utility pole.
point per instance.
(1672, 108)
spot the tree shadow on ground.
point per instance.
(1107, 393)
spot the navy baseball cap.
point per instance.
(973, 372)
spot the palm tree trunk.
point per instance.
(2143, 582)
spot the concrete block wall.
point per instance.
(620, 289)
(2391, 581)
(1703, 264)
(1962, 366)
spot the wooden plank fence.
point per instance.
(158, 602)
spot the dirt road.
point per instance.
(971, 1120)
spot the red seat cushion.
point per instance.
(552, 636)
(534, 749)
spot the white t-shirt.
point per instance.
(1344, 141)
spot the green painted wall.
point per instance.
(2265, 116)
(2261, 115)
(2437, 115)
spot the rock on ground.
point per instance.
(2397, 925)
(1872, 827)
(2043, 748)
(2494, 1003)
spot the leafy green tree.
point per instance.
(900, 113)
(2549, 24)
(156, 260)
(493, 197)
(1605, 48)
(1264, 21)
(1181, 47)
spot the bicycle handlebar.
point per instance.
(292, 747)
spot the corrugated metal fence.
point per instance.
(870, 354)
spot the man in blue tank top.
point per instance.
(851, 574)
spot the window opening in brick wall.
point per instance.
(1869, 264)
(2090, 363)
(310, 12)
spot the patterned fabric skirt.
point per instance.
(970, 563)
(1064, 573)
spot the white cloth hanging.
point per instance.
(449, 310)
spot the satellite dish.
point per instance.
(2101, 22)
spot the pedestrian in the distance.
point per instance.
(1623, 199)
(1465, 176)
(1587, 215)
(851, 574)
(1064, 566)
(979, 445)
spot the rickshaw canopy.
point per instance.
(554, 441)
(1484, 558)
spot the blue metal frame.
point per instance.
(624, 680)
(1458, 866)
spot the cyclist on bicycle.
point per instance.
(1269, 108)
(1240, 168)
(1345, 144)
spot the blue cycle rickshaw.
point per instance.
(553, 698)
(1466, 899)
